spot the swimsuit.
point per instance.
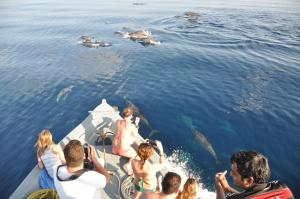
(116, 149)
(140, 187)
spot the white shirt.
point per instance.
(50, 160)
(87, 186)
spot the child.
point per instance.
(49, 156)
(189, 190)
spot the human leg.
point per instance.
(129, 153)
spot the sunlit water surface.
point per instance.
(233, 74)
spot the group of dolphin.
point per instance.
(142, 36)
(199, 137)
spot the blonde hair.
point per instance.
(145, 151)
(189, 190)
(44, 141)
(127, 112)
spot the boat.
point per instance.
(97, 127)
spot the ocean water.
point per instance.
(233, 73)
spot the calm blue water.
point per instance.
(234, 73)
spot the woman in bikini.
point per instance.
(124, 138)
(189, 190)
(145, 172)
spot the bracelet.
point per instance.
(161, 155)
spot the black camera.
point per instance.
(152, 142)
(87, 164)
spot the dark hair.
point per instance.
(74, 153)
(171, 183)
(252, 164)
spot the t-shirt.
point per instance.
(86, 186)
(50, 160)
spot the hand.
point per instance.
(92, 153)
(159, 146)
(137, 121)
(221, 180)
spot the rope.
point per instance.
(127, 188)
(43, 194)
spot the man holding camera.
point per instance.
(73, 180)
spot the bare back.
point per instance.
(147, 173)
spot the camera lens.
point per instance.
(86, 150)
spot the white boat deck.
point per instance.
(102, 119)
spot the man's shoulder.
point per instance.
(91, 174)
(274, 189)
(149, 195)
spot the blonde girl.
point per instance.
(189, 190)
(49, 155)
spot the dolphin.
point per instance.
(199, 137)
(92, 43)
(149, 41)
(136, 35)
(205, 143)
(140, 34)
(187, 121)
(63, 94)
(136, 112)
(86, 38)
(96, 44)
(189, 16)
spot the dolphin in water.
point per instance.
(140, 34)
(200, 137)
(92, 43)
(149, 41)
(136, 112)
(205, 143)
(190, 16)
(63, 94)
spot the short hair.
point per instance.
(127, 112)
(171, 183)
(145, 151)
(74, 153)
(252, 164)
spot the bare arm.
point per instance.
(162, 159)
(222, 185)
(98, 167)
(135, 127)
(57, 149)
(40, 162)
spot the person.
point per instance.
(73, 180)
(189, 190)
(145, 172)
(49, 155)
(170, 188)
(250, 171)
(124, 138)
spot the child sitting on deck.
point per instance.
(49, 155)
